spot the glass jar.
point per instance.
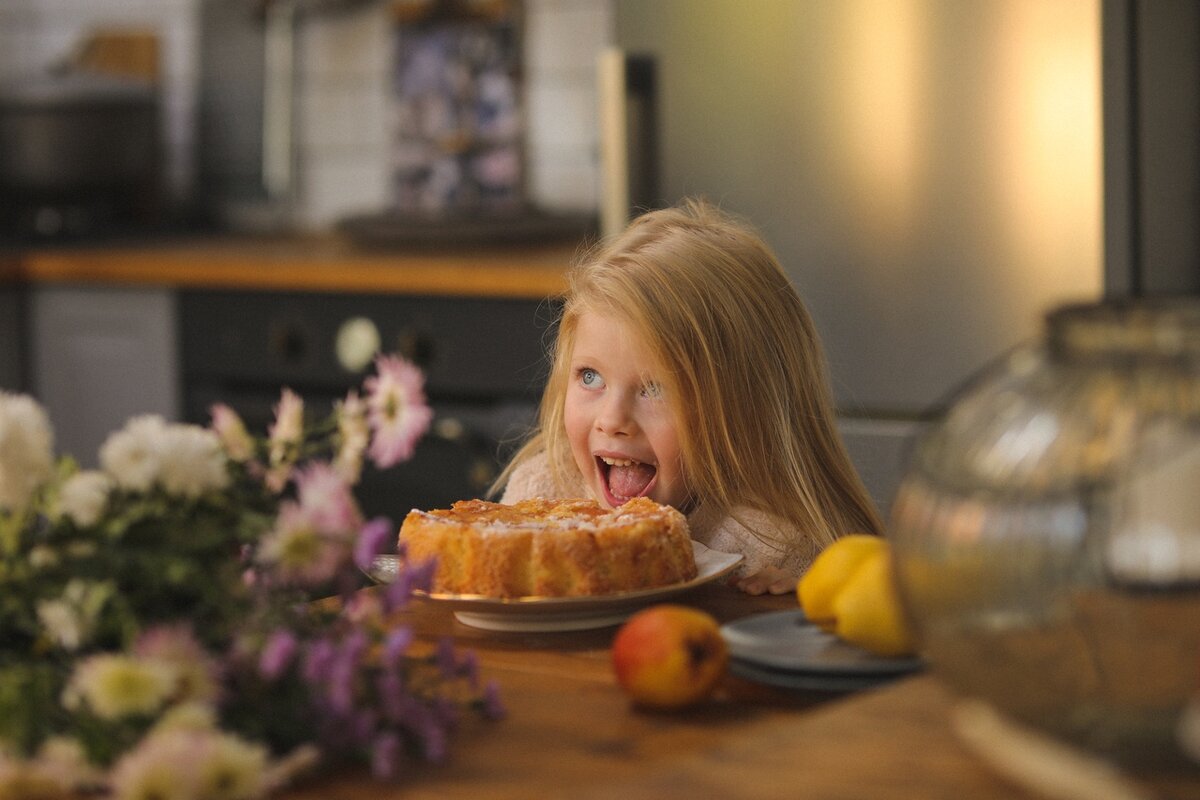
(1047, 533)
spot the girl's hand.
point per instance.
(769, 579)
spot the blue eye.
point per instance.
(590, 379)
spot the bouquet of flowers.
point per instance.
(162, 633)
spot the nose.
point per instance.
(615, 415)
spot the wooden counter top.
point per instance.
(327, 264)
(571, 733)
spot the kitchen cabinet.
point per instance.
(100, 355)
(11, 357)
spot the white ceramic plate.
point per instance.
(785, 649)
(563, 613)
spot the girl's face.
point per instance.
(621, 429)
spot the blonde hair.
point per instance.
(741, 366)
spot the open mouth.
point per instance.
(624, 479)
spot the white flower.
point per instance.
(132, 455)
(189, 716)
(353, 436)
(233, 769)
(66, 758)
(41, 557)
(284, 439)
(69, 620)
(182, 764)
(84, 496)
(115, 686)
(191, 461)
(161, 766)
(26, 450)
(62, 622)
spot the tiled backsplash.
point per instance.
(344, 64)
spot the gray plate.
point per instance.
(806, 681)
(786, 641)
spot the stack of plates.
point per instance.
(784, 649)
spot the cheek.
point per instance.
(576, 421)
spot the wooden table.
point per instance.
(571, 733)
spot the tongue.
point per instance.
(630, 481)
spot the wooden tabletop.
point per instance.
(302, 263)
(571, 733)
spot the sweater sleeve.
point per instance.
(530, 478)
(736, 533)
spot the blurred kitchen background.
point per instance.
(934, 174)
(212, 55)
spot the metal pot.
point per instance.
(80, 140)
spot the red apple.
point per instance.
(669, 656)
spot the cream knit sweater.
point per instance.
(731, 534)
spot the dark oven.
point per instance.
(484, 361)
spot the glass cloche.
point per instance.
(1047, 533)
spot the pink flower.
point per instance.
(298, 552)
(327, 501)
(397, 410)
(230, 429)
(197, 673)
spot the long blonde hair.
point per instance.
(741, 365)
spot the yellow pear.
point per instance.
(868, 612)
(830, 571)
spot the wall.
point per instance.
(342, 107)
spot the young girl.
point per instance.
(687, 369)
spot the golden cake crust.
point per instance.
(547, 548)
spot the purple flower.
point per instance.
(386, 753)
(318, 661)
(277, 654)
(468, 667)
(435, 740)
(363, 725)
(444, 657)
(402, 708)
(398, 592)
(396, 645)
(493, 706)
(422, 574)
(425, 725)
(396, 409)
(393, 700)
(372, 540)
(344, 670)
(341, 685)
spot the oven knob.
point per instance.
(356, 343)
(417, 347)
(289, 343)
